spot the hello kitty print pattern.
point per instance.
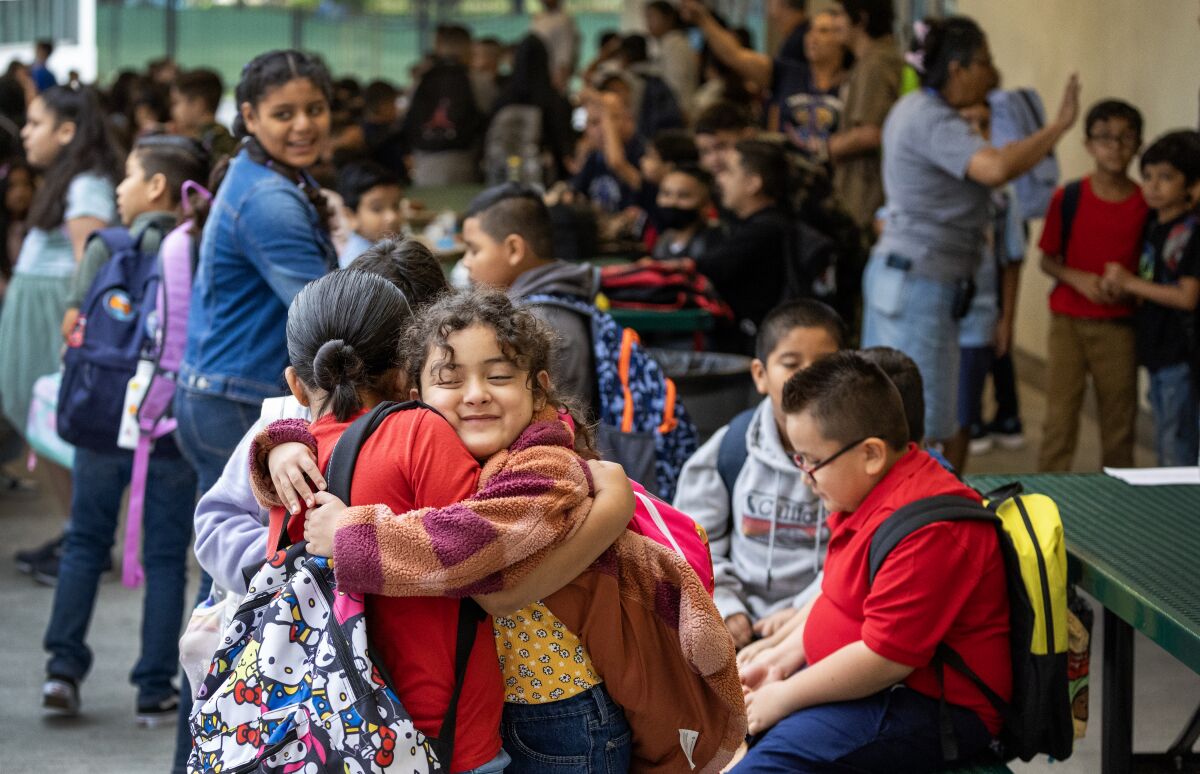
(292, 688)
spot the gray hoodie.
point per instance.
(768, 540)
(571, 369)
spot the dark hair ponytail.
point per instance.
(343, 333)
(939, 42)
(90, 150)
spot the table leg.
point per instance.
(1117, 742)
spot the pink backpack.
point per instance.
(673, 528)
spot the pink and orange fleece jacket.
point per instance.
(648, 623)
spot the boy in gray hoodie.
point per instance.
(765, 526)
(510, 246)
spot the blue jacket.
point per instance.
(262, 243)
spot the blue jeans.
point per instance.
(99, 479)
(915, 315)
(585, 734)
(975, 365)
(1176, 405)
(210, 428)
(894, 731)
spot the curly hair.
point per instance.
(523, 338)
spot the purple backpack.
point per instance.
(154, 414)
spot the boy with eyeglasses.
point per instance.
(1091, 223)
(853, 686)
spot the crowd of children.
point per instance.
(758, 173)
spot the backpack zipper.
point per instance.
(340, 642)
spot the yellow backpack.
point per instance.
(1038, 718)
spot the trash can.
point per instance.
(715, 386)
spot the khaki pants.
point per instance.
(1104, 350)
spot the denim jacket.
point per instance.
(262, 243)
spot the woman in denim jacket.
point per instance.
(265, 237)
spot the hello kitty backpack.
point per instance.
(292, 687)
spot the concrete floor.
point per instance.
(105, 739)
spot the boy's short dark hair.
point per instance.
(513, 208)
(357, 177)
(203, 83)
(770, 163)
(697, 173)
(850, 398)
(1113, 108)
(905, 374)
(676, 146)
(177, 158)
(1180, 149)
(378, 93)
(723, 116)
(804, 313)
(409, 265)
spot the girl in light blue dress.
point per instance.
(66, 140)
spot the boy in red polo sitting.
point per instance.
(852, 687)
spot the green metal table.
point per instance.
(1137, 551)
(438, 198)
(681, 321)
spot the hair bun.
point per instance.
(335, 364)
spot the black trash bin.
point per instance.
(715, 386)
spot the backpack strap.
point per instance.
(914, 516)
(1072, 192)
(731, 454)
(339, 474)
(470, 614)
(891, 533)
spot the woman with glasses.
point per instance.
(938, 177)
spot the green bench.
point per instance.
(1137, 551)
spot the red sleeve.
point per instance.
(440, 468)
(1051, 241)
(921, 589)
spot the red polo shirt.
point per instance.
(1102, 232)
(944, 583)
(415, 460)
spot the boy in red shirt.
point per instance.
(867, 697)
(1091, 328)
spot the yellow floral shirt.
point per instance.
(540, 659)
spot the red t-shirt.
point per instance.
(944, 583)
(1102, 232)
(415, 460)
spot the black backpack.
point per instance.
(443, 115)
(1029, 529)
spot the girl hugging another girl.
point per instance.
(623, 666)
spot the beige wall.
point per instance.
(1144, 51)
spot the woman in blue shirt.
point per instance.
(938, 177)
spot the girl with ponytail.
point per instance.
(67, 142)
(938, 175)
(265, 236)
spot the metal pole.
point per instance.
(172, 28)
(297, 29)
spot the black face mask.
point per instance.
(672, 218)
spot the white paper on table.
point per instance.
(1156, 476)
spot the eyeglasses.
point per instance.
(810, 468)
(1128, 140)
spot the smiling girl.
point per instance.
(265, 237)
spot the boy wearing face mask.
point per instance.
(684, 204)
